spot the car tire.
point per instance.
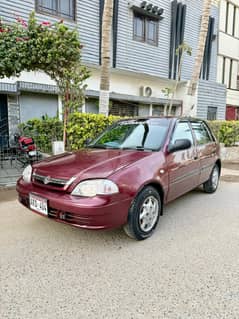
(210, 186)
(144, 214)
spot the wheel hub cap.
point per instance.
(215, 178)
(149, 213)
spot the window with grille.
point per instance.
(61, 8)
(212, 113)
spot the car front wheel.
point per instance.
(210, 186)
(144, 214)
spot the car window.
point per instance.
(134, 134)
(182, 131)
(201, 133)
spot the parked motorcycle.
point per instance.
(26, 149)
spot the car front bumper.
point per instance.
(100, 212)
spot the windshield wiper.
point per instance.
(100, 146)
(137, 148)
(97, 146)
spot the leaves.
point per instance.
(227, 132)
(52, 48)
(80, 128)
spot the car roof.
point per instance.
(173, 118)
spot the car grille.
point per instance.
(50, 181)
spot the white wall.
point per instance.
(228, 47)
(233, 97)
(129, 83)
(35, 77)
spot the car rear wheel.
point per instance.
(210, 186)
(144, 214)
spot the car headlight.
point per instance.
(95, 187)
(27, 174)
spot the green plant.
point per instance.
(227, 132)
(52, 48)
(44, 131)
(82, 127)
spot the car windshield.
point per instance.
(143, 134)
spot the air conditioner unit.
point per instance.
(146, 91)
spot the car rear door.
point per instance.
(183, 165)
(207, 149)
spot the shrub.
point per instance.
(227, 132)
(84, 126)
(81, 127)
(44, 131)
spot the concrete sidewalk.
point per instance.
(230, 171)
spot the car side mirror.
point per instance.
(179, 145)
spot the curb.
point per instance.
(7, 188)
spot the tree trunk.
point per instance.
(66, 114)
(106, 57)
(207, 4)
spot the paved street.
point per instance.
(188, 269)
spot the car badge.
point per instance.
(47, 180)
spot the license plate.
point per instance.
(39, 204)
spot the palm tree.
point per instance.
(106, 57)
(207, 4)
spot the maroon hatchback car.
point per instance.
(125, 176)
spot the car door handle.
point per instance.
(195, 158)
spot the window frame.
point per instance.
(206, 128)
(57, 12)
(144, 38)
(191, 130)
(209, 111)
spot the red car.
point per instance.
(125, 176)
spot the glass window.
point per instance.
(182, 131)
(139, 28)
(211, 113)
(151, 34)
(145, 29)
(201, 133)
(62, 8)
(134, 134)
(158, 110)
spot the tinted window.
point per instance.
(182, 131)
(201, 133)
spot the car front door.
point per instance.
(183, 165)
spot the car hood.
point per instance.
(89, 163)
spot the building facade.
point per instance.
(145, 36)
(228, 55)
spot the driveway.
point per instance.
(188, 269)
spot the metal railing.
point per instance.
(12, 154)
(13, 159)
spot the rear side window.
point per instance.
(201, 133)
(182, 131)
